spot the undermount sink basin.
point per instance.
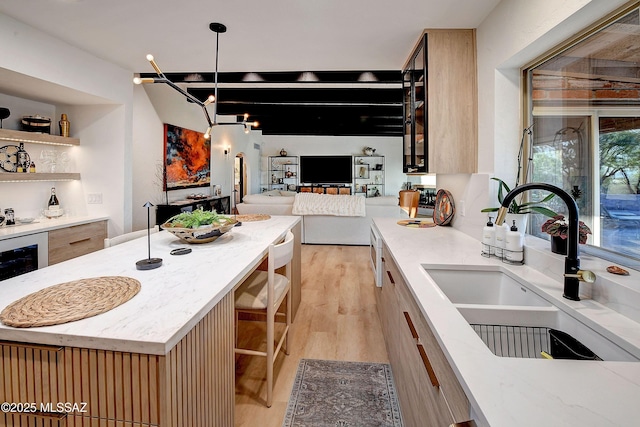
(490, 286)
(514, 321)
(526, 332)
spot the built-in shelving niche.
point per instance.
(17, 136)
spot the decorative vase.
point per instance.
(558, 245)
(64, 125)
(283, 152)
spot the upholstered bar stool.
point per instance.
(263, 292)
(409, 200)
(129, 236)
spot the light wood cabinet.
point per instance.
(70, 242)
(428, 390)
(193, 384)
(441, 122)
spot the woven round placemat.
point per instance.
(66, 302)
(252, 217)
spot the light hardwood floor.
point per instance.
(337, 320)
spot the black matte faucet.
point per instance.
(572, 273)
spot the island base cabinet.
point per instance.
(428, 390)
(192, 385)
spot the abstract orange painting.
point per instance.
(187, 158)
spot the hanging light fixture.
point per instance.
(163, 79)
(217, 28)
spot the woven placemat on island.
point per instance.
(66, 302)
(252, 217)
(417, 223)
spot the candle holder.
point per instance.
(148, 263)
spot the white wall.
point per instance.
(43, 75)
(515, 33)
(158, 104)
(390, 147)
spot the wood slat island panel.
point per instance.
(193, 385)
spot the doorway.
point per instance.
(239, 181)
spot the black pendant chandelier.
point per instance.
(212, 99)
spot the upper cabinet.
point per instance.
(440, 104)
(414, 78)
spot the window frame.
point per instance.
(594, 112)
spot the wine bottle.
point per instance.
(53, 200)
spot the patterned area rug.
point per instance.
(328, 393)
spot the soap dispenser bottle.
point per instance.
(489, 238)
(501, 234)
(514, 244)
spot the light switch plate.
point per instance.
(94, 198)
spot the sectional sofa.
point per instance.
(324, 229)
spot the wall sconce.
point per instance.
(227, 149)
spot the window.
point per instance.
(584, 104)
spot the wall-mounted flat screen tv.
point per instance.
(187, 158)
(326, 169)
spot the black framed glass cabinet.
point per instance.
(415, 110)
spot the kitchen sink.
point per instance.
(490, 285)
(512, 320)
(527, 332)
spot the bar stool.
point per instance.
(263, 292)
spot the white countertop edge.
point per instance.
(122, 337)
(508, 391)
(46, 224)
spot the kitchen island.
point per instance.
(163, 358)
(508, 391)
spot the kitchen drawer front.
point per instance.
(71, 242)
(416, 400)
(451, 397)
(32, 373)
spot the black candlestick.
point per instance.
(149, 263)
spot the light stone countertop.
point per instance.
(173, 298)
(506, 391)
(45, 224)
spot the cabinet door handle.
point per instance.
(391, 277)
(80, 241)
(427, 365)
(382, 258)
(412, 328)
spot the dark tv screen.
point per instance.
(326, 169)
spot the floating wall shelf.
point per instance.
(38, 177)
(36, 138)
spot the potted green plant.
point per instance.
(515, 207)
(518, 210)
(557, 228)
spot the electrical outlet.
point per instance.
(94, 198)
(461, 208)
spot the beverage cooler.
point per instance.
(19, 255)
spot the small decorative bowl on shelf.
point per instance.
(53, 213)
(199, 226)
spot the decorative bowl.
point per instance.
(53, 213)
(25, 220)
(202, 234)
